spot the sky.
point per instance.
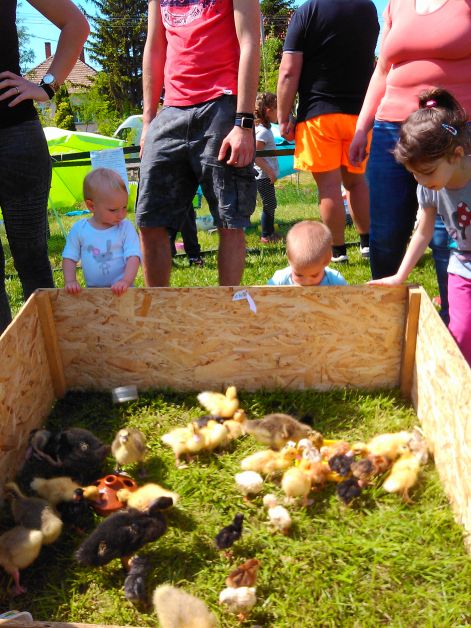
(41, 30)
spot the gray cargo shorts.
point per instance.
(180, 152)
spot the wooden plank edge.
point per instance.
(48, 327)
(411, 326)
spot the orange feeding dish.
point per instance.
(108, 486)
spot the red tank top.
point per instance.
(202, 50)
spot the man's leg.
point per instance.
(359, 197)
(156, 257)
(331, 203)
(231, 256)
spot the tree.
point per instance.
(272, 49)
(276, 15)
(97, 108)
(118, 45)
(26, 54)
(64, 116)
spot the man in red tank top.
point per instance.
(206, 55)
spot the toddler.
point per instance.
(266, 167)
(309, 251)
(435, 145)
(107, 243)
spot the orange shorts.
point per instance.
(322, 143)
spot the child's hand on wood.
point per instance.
(72, 287)
(120, 287)
(393, 280)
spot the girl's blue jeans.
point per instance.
(393, 198)
(25, 179)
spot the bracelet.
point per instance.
(244, 115)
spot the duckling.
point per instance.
(184, 441)
(142, 498)
(239, 601)
(19, 548)
(269, 462)
(55, 490)
(249, 483)
(129, 446)
(296, 484)
(278, 516)
(218, 404)
(275, 430)
(176, 608)
(390, 445)
(236, 425)
(403, 476)
(214, 435)
(34, 513)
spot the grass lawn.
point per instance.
(379, 562)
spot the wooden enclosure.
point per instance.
(256, 338)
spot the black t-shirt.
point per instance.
(337, 39)
(10, 60)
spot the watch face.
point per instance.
(48, 79)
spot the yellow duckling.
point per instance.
(404, 474)
(218, 404)
(296, 484)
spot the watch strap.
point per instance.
(244, 123)
(48, 89)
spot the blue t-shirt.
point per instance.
(104, 252)
(331, 278)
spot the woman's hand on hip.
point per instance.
(20, 89)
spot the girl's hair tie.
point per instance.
(450, 129)
(430, 103)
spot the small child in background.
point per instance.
(435, 145)
(266, 167)
(107, 243)
(309, 251)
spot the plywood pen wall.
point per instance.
(259, 338)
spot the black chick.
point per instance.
(121, 535)
(348, 490)
(135, 584)
(78, 512)
(80, 453)
(226, 537)
(341, 463)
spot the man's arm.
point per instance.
(153, 64)
(247, 22)
(288, 82)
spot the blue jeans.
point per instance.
(25, 179)
(393, 198)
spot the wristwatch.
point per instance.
(243, 122)
(49, 84)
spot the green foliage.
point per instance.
(117, 44)
(98, 108)
(64, 116)
(276, 15)
(272, 50)
(26, 53)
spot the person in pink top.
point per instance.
(206, 54)
(425, 43)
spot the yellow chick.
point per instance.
(19, 547)
(144, 496)
(129, 446)
(218, 404)
(403, 476)
(176, 608)
(269, 462)
(390, 445)
(55, 490)
(296, 484)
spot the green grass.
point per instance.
(379, 562)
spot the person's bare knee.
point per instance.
(231, 256)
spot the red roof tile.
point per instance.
(80, 77)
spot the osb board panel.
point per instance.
(441, 393)
(26, 393)
(194, 338)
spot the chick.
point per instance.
(142, 498)
(275, 430)
(341, 463)
(39, 446)
(129, 446)
(135, 583)
(390, 445)
(80, 454)
(176, 608)
(226, 537)
(214, 435)
(19, 547)
(278, 516)
(404, 474)
(332, 448)
(367, 468)
(418, 445)
(245, 575)
(269, 462)
(296, 484)
(249, 483)
(121, 535)
(220, 405)
(78, 512)
(239, 601)
(348, 490)
(34, 513)
(184, 441)
(55, 490)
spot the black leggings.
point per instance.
(25, 179)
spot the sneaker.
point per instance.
(340, 259)
(196, 261)
(365, 252)
(271, 239)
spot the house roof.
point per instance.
(80, 77)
